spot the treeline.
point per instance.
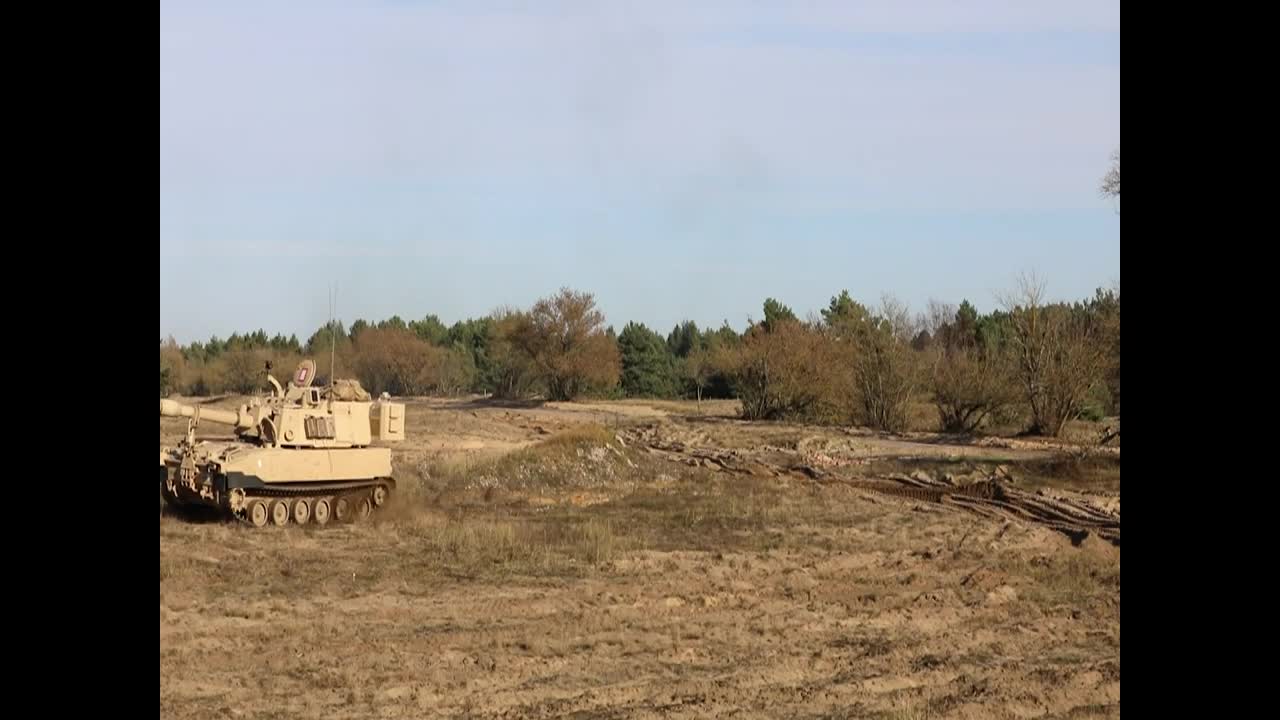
(1045, 363)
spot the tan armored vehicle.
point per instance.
(303, 455)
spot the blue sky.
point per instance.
(679, 160)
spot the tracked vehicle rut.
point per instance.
(990, 497)
(302, 455)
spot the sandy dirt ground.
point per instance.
(618, 560)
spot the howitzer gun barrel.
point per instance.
(237, 418)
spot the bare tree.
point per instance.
(936, 316)
(885, 373)
(1111, 181)
(970, 379)
(898, 316)
(789, 372)
(1057, 356)
(697, 369)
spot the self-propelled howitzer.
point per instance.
(302, 454)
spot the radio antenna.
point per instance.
(333, 336)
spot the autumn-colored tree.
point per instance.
(564, 337)
(508, 371)
(851, 363)
(969, 386)
(395, 360)
(786, 370)
(172, 366)
(390, 360)
(243, 370)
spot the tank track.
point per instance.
(344, 502)
(347, 503)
